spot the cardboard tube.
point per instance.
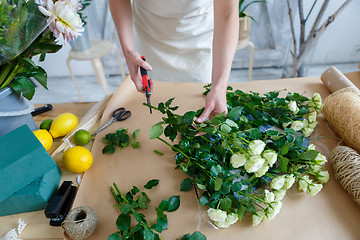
(334, 80)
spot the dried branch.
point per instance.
(311, 9)
(318, 18)
(294, 40)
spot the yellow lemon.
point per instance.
(77, 159)
(44, 137)
(63, 124)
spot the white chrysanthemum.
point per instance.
(320, 159)
(293, 107)
(279, 195)
(256, 147)
(270, 156)
(314, 188)
(63, 19)
(254, 164)
(323, 176)
(307, 131)
(238, 160)
(269, 196)
(273, 210)
(257, 217)
(312, 117)
(278, 182)
(289, 181)
(297, 125)
(217, 215)
(261, 172)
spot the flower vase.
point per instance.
(15, 111)
(82, 42)
(244, 28)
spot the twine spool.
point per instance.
(346, 162)
(342, 110)
(80, 223)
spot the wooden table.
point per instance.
(38, 225)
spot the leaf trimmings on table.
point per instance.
(247, 160)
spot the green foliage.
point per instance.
(243, 5)
(206, 158)
(121, 139)
(130, 203)
(85, 4)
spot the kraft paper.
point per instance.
(331, 214)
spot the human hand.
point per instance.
(215, 103)
(134, 62)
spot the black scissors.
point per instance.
(119, 114)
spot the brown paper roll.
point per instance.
(334, 80)
(342, 110)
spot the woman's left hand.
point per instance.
(215, 103)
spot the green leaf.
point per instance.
(23, 86)
(142, 201)
(231, 123)
(225, 188)
(204, 200)
(148, 234)
(201, 186)
(157, 227)
(186, 237)
(285, 149)
(215, 170)
(235, 113)
(218, 183)
(156, 131)
(188, 117)
(135, 134)
(255, 133)
(114, 236)
(241, 212)
(158, 153)
(225, 128)
(174, 203)
(152, 183)
(123, 221)
(186, 184)
(236, 186)
(225, 204)
(108, 148)
(135, 144)
(197, 236)
(309, 155)
(283, 164)
(139, 217)
(164, 205)
(163, 222)
(134, 190)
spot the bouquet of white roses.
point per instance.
(247, 160)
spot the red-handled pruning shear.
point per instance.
(146, 83)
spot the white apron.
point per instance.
(175, 36)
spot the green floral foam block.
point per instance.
(28, 174)
(34, 196)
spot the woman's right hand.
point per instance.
(134, 62)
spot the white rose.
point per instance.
(297, 125)
(222, 224)
(289, 181)
(270, 156)
(304, 182)
(312, 125)
(305, 123)
(238, 160)
(312, 107)
(278, 182)
(316, 168)
(217, 214)
(279, 194)
(256, 147)
(307, 131)
(320, 159)
(232, 218)
(314, 188)
(293, 107)
(312, 117)
(269, 196)
(323, 176)
(254, 164)
(316, 98)
(257, 217)
(273, 210)
(311, 147)
(285, 125)
(261, 172)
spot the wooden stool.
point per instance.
(242, 44)
(98, 49)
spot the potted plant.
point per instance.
(28, 29)
(244, 19)
(83, 42)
